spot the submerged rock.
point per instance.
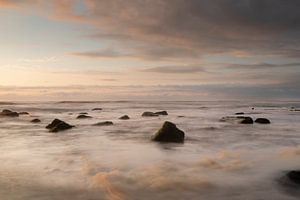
(149, 114)
(83, 117)
(9, 113)
(105, 123)
(35, 121)
(161, 112)
(238, 119)
(23, 113)
(294, 176)
(262, 121)
(95, 109)
(58, 125)
(124, 117)
(169, 133)
(239, 113)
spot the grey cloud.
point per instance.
(262, 65)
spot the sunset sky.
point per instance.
(149, 49)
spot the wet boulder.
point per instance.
(125, 117)
(169, 133)
(149, 114)
(83, 117)
(9, 113)
(58, 125)
(35, 121)
(161, 112)
(105, 123)
(262, 121)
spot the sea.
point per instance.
(218, 160)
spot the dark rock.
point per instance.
(239, 119)
(95, 109)
(169, 133)
(9, 113)
(294, 176)
(83, 113)
(161, 113)
(125, 117)
(239, 113)
(262, 121)
(58, 125)
(149, 114)
(23, 113)
(83, 117)
(180, 116)
(36, 121)
(105, 123)
(246, 120)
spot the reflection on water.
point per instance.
(218, 160)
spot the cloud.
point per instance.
(262, 65)
(189, 27)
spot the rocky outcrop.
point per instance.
(83, 117)
(262, 121)
(125, 117)
(9, 113)
(58, 125)
(105, 123)
(169, 133)
(294, 176)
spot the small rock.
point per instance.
(36, 121)
(262, 121)
(83, 117)
(149, 114)
(161, 113)
(95, 109)
(105, 123)
(58, 125)
(9, 113)
(83, 113)
(246, 120)
(124, 117)
(239, 113)
(169, 133)
(23, 113)
(294, 176)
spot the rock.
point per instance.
(239, 119)
(161, 113)
(262, 121)
(239, 113)
(83, 113)
(180, 116)
(246, 120)
(23, 113)
(58, 125)
(124, 117)
(294, 176)
(169, 133)
(36, 121)
(95, 109)
(105, 123)
(149, 114)
(83, 117)
(9, 113)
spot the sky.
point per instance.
(149, 49)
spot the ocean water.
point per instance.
(218, 160)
